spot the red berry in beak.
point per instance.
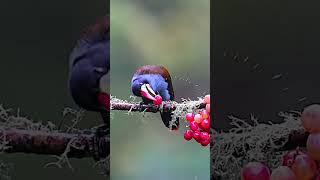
(158, 100)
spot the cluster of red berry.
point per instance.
(199, 125)
(296, 164)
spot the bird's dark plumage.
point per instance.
(89, 65)
(159, 80)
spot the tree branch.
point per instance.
(52, 143)
(167, 107)
(296, 138)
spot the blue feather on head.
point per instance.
(156, 81)
(151, 81)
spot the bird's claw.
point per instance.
(141, 104)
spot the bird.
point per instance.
(89, 66)
(150, 81)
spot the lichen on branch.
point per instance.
(178, 109)
(20, 134)
(261, 142)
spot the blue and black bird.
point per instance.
(89, 70)
(151, 80)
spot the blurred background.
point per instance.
(254, 43)
(36, 40)
(175, 34)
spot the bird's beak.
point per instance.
(147, 92)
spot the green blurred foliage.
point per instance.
(175, 34)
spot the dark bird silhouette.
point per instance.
(89, 70)
(152, 80)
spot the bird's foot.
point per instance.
(146, 107)
(141, 105)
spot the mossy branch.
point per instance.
(52, 143)
(167, 106)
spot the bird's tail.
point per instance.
(169, 122)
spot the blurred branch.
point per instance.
(297, 138)
(53, 143)
(167, 107)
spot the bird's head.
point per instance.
(150, 86)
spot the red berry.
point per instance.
(205, 124)
(207, 130)
(196, 136)
(189, 117)
(158, 100)
(288, 158)
(188, 135)
(194, 126)
(205, 142)
(204, 135)
(255, 171)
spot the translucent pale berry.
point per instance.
(282, 173)
(205, 124)
(255, 171)
(189, 117)
(313, 146)
(204, 135)
(207, 99)
(208, 107)
(196, 136)
(204, 114)
(158, 100)
(194, 126)
(311, 118)
(304, 167)
(188, 135)
(198, 118)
